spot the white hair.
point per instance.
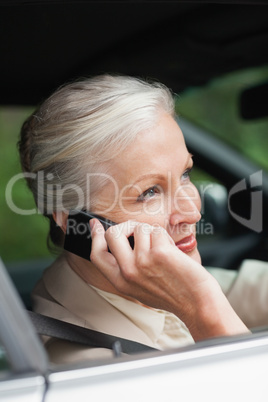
(83, 125)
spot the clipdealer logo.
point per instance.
(56, 195)
(255, 221)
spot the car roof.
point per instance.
(182, 44)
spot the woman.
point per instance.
(110, 145)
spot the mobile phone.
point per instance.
(78, 235)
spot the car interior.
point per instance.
(191, 46)
(183, 44)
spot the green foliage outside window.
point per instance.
(22, 236)
(216, 107)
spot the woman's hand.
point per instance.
(159, 275)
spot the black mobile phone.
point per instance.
(78, 235)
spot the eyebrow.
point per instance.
(148, 176)
(156, 175)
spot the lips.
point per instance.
(187, 244)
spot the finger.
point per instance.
(97, 234)
(100, 257)
(160, 236)
(99, 250)
(142, 237)
(119, 233)
(117, 240)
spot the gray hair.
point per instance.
(80, 128)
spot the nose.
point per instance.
(186, 206)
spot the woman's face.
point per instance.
(150, 183)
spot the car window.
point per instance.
(216, 107)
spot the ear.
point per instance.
(61, 219)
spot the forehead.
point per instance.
(153, 150)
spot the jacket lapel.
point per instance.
(80, 300)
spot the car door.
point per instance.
(23, 361)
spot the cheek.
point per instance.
(186, 199)
(151, 212)
(194, 195)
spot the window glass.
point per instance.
(216, 107)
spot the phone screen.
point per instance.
(78, 235)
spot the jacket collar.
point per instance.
(82, 301)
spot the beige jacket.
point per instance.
(247, 291)
(62, 294)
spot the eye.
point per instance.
(186, 175)
(150, 193)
